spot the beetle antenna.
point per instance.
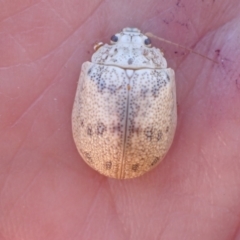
(178, 45)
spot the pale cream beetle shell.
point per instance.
(124, 114)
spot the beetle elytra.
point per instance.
(124, 115)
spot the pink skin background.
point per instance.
(48, 192)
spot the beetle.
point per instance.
(124, 114)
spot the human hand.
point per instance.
(48, 192)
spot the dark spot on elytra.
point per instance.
(112, 88)
(133, 129)
(108, 165)
(168, 78)
(88, 157)
(159, 135)
(89, 130)
(148, 133)
(143, 92)
(160, 82)
(167, 129)
(101, 84)
(89, 71)
(135, 167)
(155, 161)
(82, 123)
(117, 128)
(155, 91)
(101, 128)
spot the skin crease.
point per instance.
(48, 192)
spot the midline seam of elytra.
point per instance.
(137, 68)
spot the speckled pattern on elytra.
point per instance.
(124, 115)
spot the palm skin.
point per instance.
(48, 192)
